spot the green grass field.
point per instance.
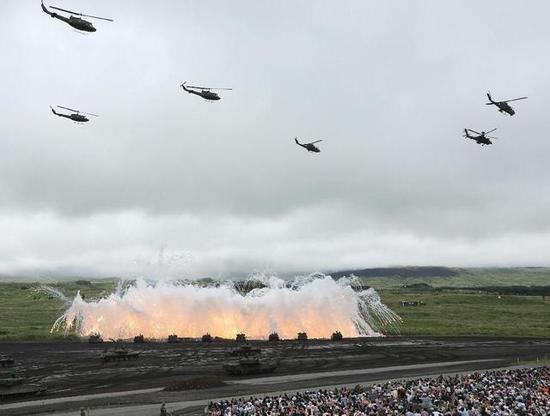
(472, 277)
(457, 313)
(27, 314)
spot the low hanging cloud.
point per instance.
(133, 245)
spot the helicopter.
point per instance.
(204, 92)
(481, 138)
(309, 146)
(503, 106)
(76, 22)
(77, 116)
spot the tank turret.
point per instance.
(120, 354)
(6, 361)
(249, 361)
(273, 337)
(336, 336)
(95, 339)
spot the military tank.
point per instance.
(120, 354)
(6, 361)
(249, 362)
(95, 339)
(16, 387)
(245, 350)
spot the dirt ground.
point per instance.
(76, 368)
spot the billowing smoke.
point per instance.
(315, 304)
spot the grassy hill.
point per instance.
(395, 277)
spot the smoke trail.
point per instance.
(316, 304)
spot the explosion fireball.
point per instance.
(316, 304)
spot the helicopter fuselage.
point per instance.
(481, 139)
(206, 94)
(81, 24)
(311, 148)
(504, 107)
(79, 118)
(76, 117)
(209, 95)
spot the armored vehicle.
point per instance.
(249, 362)
(16, 387)
(336, 336)
(273, 337)
(245, 350)
(120, 354)
(6, 361)
(95, 339)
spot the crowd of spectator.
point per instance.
(523, 391)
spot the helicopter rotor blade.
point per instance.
(65, 10)
(515, 99)
(97, 17)
(473, 131)
(490, 131)
(80, 14)
(207, 88)
(90, 114)
(67, 108)
(316, 141)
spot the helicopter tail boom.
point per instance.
(46, 10)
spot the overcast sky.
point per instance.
(388, 86)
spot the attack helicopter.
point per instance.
(205, 92)
(309, 146)
(481, 138)
(503, 106)
(76, 116)
(76, 22)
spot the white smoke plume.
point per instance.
(315, 304)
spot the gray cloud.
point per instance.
(388, 86)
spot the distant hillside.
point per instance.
(404, 272)
(388, 277)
